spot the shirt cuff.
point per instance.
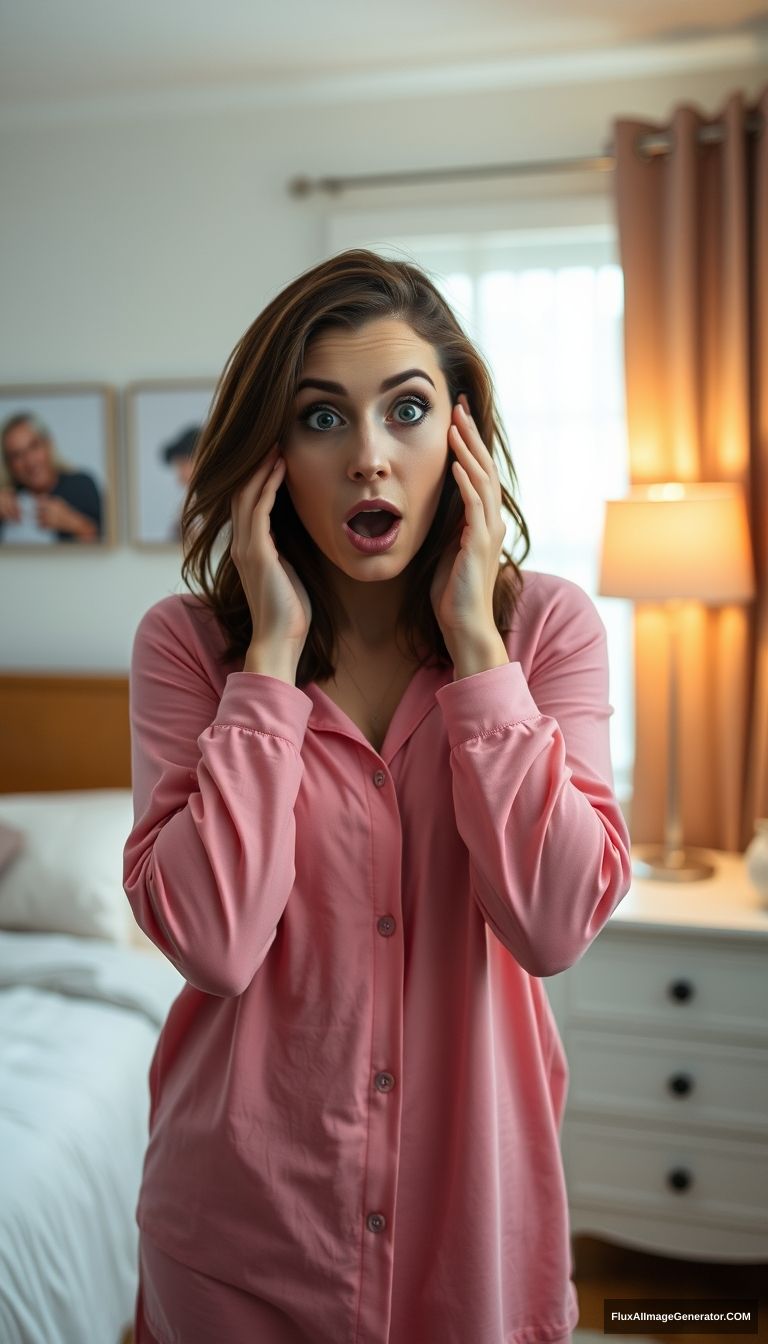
(485, 702)
(265, 704)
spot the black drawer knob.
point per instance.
(680, 1084)
(681, 991)
(679, 1179)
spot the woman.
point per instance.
(374, 804)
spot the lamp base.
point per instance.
(670, 865)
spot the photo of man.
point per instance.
(179, 454)
(44, 500)
(164, 422)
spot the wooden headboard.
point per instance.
(63, 730)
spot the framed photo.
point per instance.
(57, 466)
(164, 420)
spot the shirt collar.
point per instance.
(415, 703)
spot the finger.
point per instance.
(477, 473)
(244, 499)
(253, 484)
(476, 511)
(265, 503)
(257, 525)
(473, 503)
(488, 486)
(471, 434)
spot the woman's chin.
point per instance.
(374, 569)
(369, 568)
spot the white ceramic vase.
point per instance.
(756, 860)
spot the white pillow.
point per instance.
(68, 877)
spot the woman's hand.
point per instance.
(279, 604)
(463, 584)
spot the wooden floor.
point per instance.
(602, 1270)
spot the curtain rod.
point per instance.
(652, 145)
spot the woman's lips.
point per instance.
(374, 545)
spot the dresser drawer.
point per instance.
(669, 1174)
(668, 1082)
(639, 982)
(687, 1239)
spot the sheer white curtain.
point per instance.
(544, 305)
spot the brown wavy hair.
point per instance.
(252, 408)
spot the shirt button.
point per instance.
(385, 1082)
(376, 1222)
(386, 926)
(379, 778)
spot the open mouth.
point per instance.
(373, 531)
(372, 522)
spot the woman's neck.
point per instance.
(369, 611)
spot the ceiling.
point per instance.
(54, 50)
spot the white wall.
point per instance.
(140, 245)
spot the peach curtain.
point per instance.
(693, 236)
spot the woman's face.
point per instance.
(380, 432)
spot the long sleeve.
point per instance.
(533, 790)
(209, 864)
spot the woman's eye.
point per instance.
(410, 406)
(324, 414)
(408, 411)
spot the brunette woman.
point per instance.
(373, 807)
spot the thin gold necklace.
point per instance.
(375, 713)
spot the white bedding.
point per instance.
(79, 1020)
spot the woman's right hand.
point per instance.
(279, 604)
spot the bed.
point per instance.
(82, 998)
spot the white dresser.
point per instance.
(665, 1025)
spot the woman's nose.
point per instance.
(369, 457)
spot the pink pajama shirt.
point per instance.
(357, 1096)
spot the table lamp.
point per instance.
(671, 543)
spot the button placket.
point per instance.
(386, 1044)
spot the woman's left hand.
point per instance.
(463, 584)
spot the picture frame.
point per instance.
(57, 467)
(163, 420)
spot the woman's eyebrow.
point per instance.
(340, 391)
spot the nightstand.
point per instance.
(665, 1025)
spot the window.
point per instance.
(544, 305)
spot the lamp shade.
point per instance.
(678, 540)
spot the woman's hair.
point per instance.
(253, 407)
